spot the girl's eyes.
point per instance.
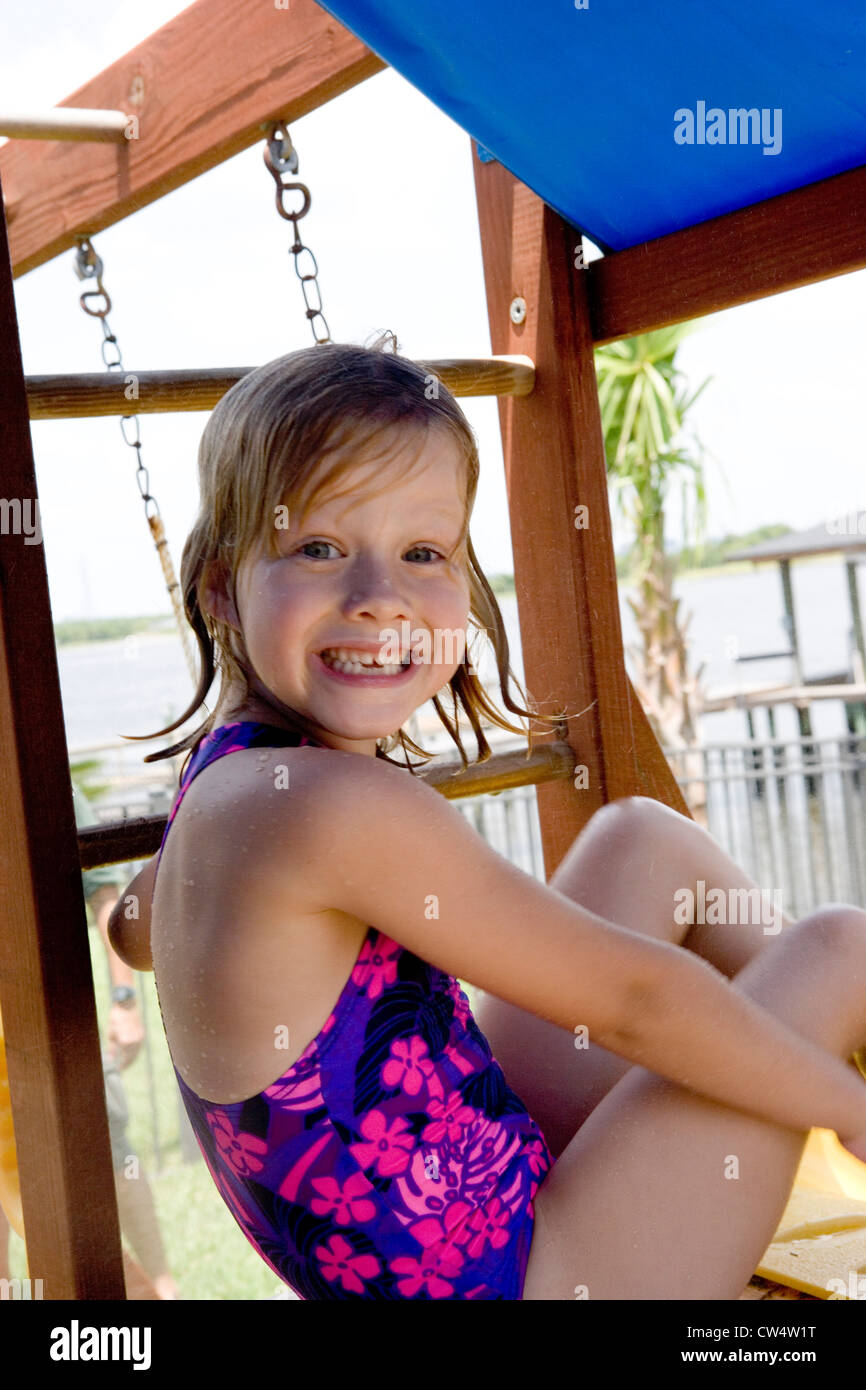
(304, 548)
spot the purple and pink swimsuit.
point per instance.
(391, 1160)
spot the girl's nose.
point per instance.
(372, 588)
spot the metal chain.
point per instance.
(88, 266)
(281, 159)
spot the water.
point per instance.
(129, 686)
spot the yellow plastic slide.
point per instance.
(820, 1243)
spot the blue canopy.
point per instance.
(633, 119)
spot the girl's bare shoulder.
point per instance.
(246, 801)
(233, 922)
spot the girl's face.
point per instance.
(385, 558)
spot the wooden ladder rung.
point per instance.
(73, 395)
(123, 841)
(65, 123)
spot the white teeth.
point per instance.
(353, 663)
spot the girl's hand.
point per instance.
(129, 923)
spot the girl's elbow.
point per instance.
(636, 1018)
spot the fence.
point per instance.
(791, 813)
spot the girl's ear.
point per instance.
(214, 597)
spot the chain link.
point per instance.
(281, 159)
(88, 265)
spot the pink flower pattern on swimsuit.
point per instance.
(339, 1261)
(376, 968)
(491, 1223)
(242, 1151)
(450, 1118)
(347, 1203)
(409, 1065)
(450, 1228)
(389, 1147)
(391, 1160)
(433, 1272)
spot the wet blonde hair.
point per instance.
(262, 448)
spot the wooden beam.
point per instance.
(70, 396)
(46, 989)
(655, 775)
(794, 239)
(787, 695)
(201, 88)
(564, 568)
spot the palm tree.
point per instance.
(643, 405)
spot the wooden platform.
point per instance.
(765, 1288)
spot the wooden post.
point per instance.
(790, 618)
(46, 989)
(859, 658)
(556, 476)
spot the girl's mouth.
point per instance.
(357, 668)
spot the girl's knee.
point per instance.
(613, 829)
(640, 818)
(836, 927)
(626, 815)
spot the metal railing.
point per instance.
(791, 812)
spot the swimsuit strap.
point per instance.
(232, 738)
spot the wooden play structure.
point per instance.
(205, 86)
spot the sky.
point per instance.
(203, 278)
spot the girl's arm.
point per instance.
(356, 835)
(129, 923)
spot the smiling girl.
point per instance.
(317, 903)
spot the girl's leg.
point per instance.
(666, 1195)
(626, 866)
(638, 853)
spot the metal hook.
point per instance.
(284, 188)
(99, 293)
(87, 263)
(283, 154)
